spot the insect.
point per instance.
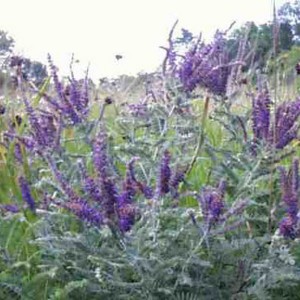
(118, 56)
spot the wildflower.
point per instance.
(126, 209)
(26, 194)
(206, 66)
(92, 189)
(57, 83)
(108, 189)
(289, 182)
(287, 227)
(10, 208)
(285, 128)
(164, 175)
(261, 115)
(72, 100)
(87, 213)
(212, 203)
(175, 180)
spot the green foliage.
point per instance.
(173, 250)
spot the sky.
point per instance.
(97, 30)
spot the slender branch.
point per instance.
(202, 135)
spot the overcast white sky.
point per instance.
(96, 30)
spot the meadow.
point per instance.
(180, 184)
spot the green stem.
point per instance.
(202, 135)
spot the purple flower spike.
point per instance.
(290, 190)
(164, 176)
(108, 189)
(73, 99)
(57, 83)
(100, 158)
(285, 128)
(261, 115)
(85, 212)
(26, 194)
(126, 209)
(206, 66)
(12, 208)
(287, 228)
(212, 203)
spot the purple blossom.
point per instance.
(261, 115)
(87, 213)
(176, 178)
(164, 175)
(100, 157)
(206, 66)
(89, 185)
(146, 190)
(212, 203)
(43, 134)
(108, 189)
(10, 208)
(26, 194)
(73, 99)
(126, 209)
(287, 227)
(18, 153)
(285, 128)
(58, 85)
(92, 189)
(289, 182)
(138, 186)
(138, 110)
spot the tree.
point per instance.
(34, 71)
(6, 43)
(290, 13)
(285, 36)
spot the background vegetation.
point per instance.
(179, 184)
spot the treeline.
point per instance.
(32, 70)
(259, 43)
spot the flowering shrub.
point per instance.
(160, 199)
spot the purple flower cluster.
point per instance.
(285, 128)
(80, 207)
(290, 191)
(108, 189)
(138, 110)
(164, 175)
(84, 211)
(214, 211)
(101, 202)
(126, 208)
(72, 101)
(12, 208)
(43, 134)
(212, 203)
(261, 115)
(167, 181)
(206, 66)
(26, 194)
